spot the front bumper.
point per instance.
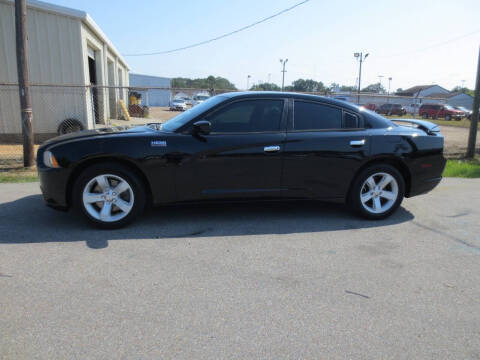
(53, 184)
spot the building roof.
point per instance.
(76, 14)
(416, 89)
(446, 95)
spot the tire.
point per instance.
(98, 182)
(424, 116)
(448, 117)
(361, 185)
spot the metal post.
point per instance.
(23, 82)
(389, 83)
(472, 136)
(359, 79)
(248, 81)
(283, 62)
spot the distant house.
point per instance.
(454, 99)
(422, 91)
(148, 86)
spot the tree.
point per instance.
(374, 88)
(203, 83)
(265, 87)
(464, 90)
(348, 88)
(308, 85)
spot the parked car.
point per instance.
(412, 109)
(244, 146)
(178, 104)
(435, 111)
(188, 100)
(391, 109)
(371, 107)
(199, 98)
(467, 113)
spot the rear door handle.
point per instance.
(357, 142)
(274, 148)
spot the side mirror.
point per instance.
(202, 127)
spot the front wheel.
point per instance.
(377, 191)
(110, 195)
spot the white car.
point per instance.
(178, 104)
(199, 98)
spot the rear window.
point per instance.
(350, 121)
(315, 116)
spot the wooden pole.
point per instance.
(472, 136)
(23, 82)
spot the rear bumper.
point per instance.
(424, 186)
(53, 184)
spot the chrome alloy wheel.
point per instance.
(108, 198)
(379, 193)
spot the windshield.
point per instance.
(202, 97)
(180, 120)
(448, 107)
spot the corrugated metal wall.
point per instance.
(55, 57)
(156, 97)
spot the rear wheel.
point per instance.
(110, 195)
(377, 191)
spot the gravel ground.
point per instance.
(269, 281)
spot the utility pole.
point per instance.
(283, 62)
(23, 82)
(472, 136)
(389, 83)
(248, 81)
(361, 59)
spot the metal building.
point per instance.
(148, 86)
(67, 53)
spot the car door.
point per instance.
(241, 157)
(325, 146)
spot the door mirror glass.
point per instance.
(202, 127)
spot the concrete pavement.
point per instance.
(270, 281)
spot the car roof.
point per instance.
(283, 94)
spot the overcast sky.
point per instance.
(319, 39)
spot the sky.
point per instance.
(415, 42)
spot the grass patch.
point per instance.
(462, 168)
(17, 174)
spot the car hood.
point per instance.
(107, 131)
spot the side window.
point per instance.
(350, 121)
(315, 116)
(247, 116)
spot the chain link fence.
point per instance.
(62, 109)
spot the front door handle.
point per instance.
(274, 148)
(357, 142)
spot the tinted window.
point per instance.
(350, 121)
(248, 116)
(314, 116)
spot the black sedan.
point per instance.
(244, 146)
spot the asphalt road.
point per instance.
(274, 281)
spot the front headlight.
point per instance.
(49, 160)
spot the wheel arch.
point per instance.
(80, 167)
(393, 161)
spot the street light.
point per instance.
(283, 62)
(389, 83)
(361, 59)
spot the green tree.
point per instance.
(348, 88)
(203, 83)
(464, 90)
(374, 88)
(308, 85)
(266, 87)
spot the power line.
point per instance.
(432, 46)
(221, 36)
